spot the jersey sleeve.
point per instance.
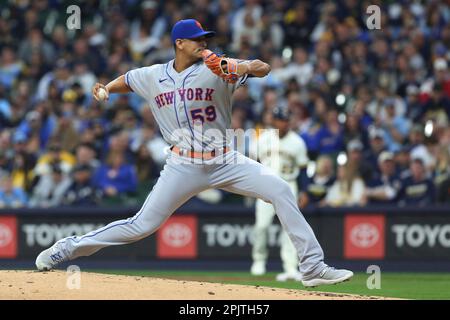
(241, 81)
(138, 81)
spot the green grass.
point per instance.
(398, 285)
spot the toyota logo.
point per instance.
(177, 235)
(5, 235)
(364, 235)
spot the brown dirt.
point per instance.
(33, 285)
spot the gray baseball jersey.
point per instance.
(178, 102)
(187, 105)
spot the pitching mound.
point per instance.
(54, 285)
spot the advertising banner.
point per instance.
(8, 237)
(177, 238)
(364, 236)
(418, 237)
(39, 233)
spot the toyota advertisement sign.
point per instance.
(418, 238)
(8, 237)
(364, 236)
(232, 237)
(38, 233)
(177, 238)
(385, 235)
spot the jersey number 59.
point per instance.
(202, 114)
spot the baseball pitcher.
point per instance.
(191, 99)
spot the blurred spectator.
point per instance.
(331, 135)
(437, 108)
(402, 160)
(355, 158)
(347, 190)
(327, 21)
(442, 175)
(146, 168)
(354, 130)
(443, 196)
(376, 145)
(417, 189)
(36, 43)
(10, 196)
(395, 126)
(85, 154)
(60, 76)
(82, 192)
(5, 164)
(413, 104)
(84, 77)
(390, 88)
(164, 52)
(55, 155)
(297, 25)
(115, 177)
(155, 144)
(247, 32)
(223, 31)
(84, 57)
(65, 130)
(10, 68)
(246, 26)
(384, 188)
(38, 126)
(243, 101)
(439, 79)
(51, 188)
(427, 152)
(24, 161)
(300, 68)
(318, 185)
(147, 30)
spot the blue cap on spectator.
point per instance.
(189, 29)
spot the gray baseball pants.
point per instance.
(181, 179)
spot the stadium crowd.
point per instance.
(372, 105)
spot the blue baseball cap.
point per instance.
(189, 29)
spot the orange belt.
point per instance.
(197, 155)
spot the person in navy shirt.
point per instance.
(384, 188)
(318, 185)
(355, 156)
(82, 192)
(417, 189)
(377, 145)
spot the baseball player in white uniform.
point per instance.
(188, 96)
(292, 156)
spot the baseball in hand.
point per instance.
(101, 94)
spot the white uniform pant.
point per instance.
(264, 214)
